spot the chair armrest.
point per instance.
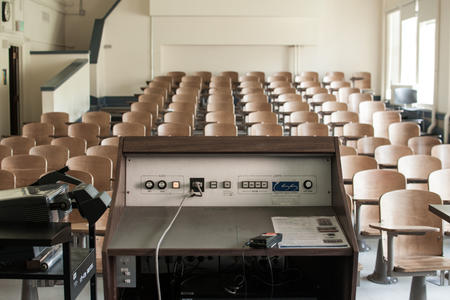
(405, 229)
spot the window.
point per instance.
(409, 51)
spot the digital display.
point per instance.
(285, 186)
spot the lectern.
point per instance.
(219, 193)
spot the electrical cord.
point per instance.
(158, 284)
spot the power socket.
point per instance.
(193, 184)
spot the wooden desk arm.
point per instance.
(404, 229)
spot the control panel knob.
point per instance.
(162, 184)
(307, 184)
(149, 184)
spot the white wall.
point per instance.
(124, 58)
(43, 67)
(72, 96)
(78, 27)
(444, 58)
(331, 35)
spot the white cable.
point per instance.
(158, 286)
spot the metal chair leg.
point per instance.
(418, 288)
(379, 274)
(29, 290)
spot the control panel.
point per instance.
(126, 271)
(251, 180)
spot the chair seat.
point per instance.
(422, 264)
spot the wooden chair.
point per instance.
(443, 153)
(19, 144)
(320, 99)
(307, 84)
(84, 176)
(289, 98)
(381, 121)
(174, 129)
(148, 107)
(107, 151)
(255, 98)
(221, 84)
(167, 78)
(233, 75)
(183, 107)
(412, 237)
(249, 78)
(56, 156)
(186, 90)
(111, 141)
(140, 117)
(287, 75)
(400, 133)
(156, 90)
(220, 117)
(176, 75)
(261, 76)
(5, 151)
(352, 132)
(59, 120)
(330, 107)
(328, 79)
(423, 144)
(87, 131)
(301, 78)
(77, 146)
(99, 167)
(355, 99)
(335, 85)
(101, 118)
(193, 78)
(279, 84)
(417, 168)
(283, 90)
(161, 84)
(312, 129)
(7, 180)
(250, 84)
(367, 145)
(337, 74)
(361, 80)
(262, 117)
(311, 74)
(266, 129)
(154, 98)
(179, 117)
(221, 106)
(220, 98)
(27, 168)
(129, 129)
(345, 92)
(220, 129)
(339, 119)
(299, 117)
(205, 75)
(352, 164)
(438, 182)
(310, 92)
(387, 156)
(42, 133)
(368, 108)
(274, 78)
(368, 187)
(246, 91)
(257, 106)
(220, 91)
(293, 106)
(347, 150)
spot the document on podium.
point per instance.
(309, 232)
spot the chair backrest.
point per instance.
(410, 207)
(255, 98)
(298, 117)
(55, 155)
(233, 75)
(381, 121)
(88, 131)
(129, 129)
(174, 129)
(358, 130)
(336, 74)
(401, 132)
(111, 141)
(363, 80)
(266, 129)
(220, 117)
(42, 133)
(287, 75)
(205, 75)
(372, 184)
(7, 180)
(443, 153)
(249, 78)
(390, 154)
(337, 84)
(99, 167)
(220, 106)
(57, 119)
(101, 118)
(418, 166)
(311, 74)
(438, 182)
(19, 144)
(262, 117)
(110, 152)
(160, 84)
(279, 84)
(141, 117)
(257, 106)
(187, 90)
(423, 144)
(221, 84)
(220, 129)
(179, 117)
(183, 107)
(84, 176)
(26, 168)
(220, 91)
(308, 84)
(176, 75)
(153, 98)
(352, 164)
(345, 92)
(261, 76)
(291, 106)
(290, 97)
(220, 98)
(312, 129)
(283, 90)
(149, 107)
(246, 91)
(355, 99)
(344, 116)
(367, 108)
(368, 144)
(346, 150)
(251, 84)
(315, 90)
(156, 90)
(77, 146)
(5, 151)
(274, 78)
(334, 106)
